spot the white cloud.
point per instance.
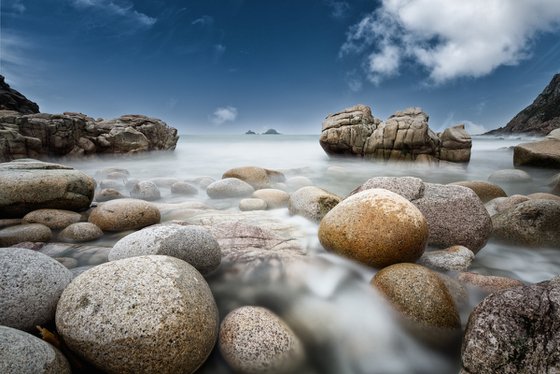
(203, 21)
(474, 128)
(339, 9)
(450, 38)
(119, 8)
(14, 63)
(17, 6)
(224, 114)
(354, 81)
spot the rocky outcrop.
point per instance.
(544, 153)
(44, 135)
(404, 136)
(11, 99)
(539, 118)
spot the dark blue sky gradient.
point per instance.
(276, 62)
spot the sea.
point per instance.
(344, 328)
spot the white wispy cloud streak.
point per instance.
(449, 38)
(224, 114)
(124, 9)
(339, 9)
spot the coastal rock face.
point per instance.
(404, 136)
(28, 185)
(148, 314)
(11, 99)
(539, 118)
(515, 331)
(544, 153)
(43, 135)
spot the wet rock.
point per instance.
(455, 144)
(148, 314)
(543, 153)
(484, 190)
(274, 198)
(312, 202)
(515, 331)
(252, 204)
(28, 232)
(145, 190)
(111, 183)
(543, 196)
(163, 182)
(183, 188)
(124, 214)
(531, 223)
(68, 262)
(488, 283)
(192, 244)
(501, 204)
(204, 182)
(28, 185)
(510, 176)
(21, 352)
(410, 188)
(255, 176)
(31, 286)
(80, 232)
(55, 219)
(375, 227)
(456, 258)
(419, 294)
(107, 194)
(229, 187)
(9, 222)
(255, 340)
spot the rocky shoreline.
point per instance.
(124, 281)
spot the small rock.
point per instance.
(501, 204)
(31, 286)
(510, 175)
(488, 283)
(55, 219)
(255, 176)
(124, 214)
(255, 340)
(456, 258)
(27, 232)
(183, 188)
(21, 352)
(543, 196)
(68, 262)
(204, 182)
(252, 204)
(145, 190)
(229, 187)
(274, 198)
(484, 190)
(107, 194)
(80, 232)
(111, 183)
(312, 202)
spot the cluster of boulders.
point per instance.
(404, 136)
(129, 274)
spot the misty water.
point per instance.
(345, 326)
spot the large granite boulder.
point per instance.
(404, 136)
(516, 330)
(544, 153)
(11, 99)
(28, 185)
(43, 135)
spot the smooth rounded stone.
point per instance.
(274, 198)
(183, 188)
(130, 183)
(501, 204)
(375, 227)
(419, 294)
(337, 171)
(31, 286)
(510, 176)
(124, 214)
(411, 188)
(456, 258)
(111, 183)
(488, 283)
(7, 222)
(484, 190)
(249, 204)
(534, 223)
(145, 190)
(118, 175)
(23, 353)
(80, 269)
(229, 187)
(543, 196)
(26, 232)
(164, 182)
(68, 262)
(148, 314)
(192, 244)
(515, 331)
(80, 232)
(312, 202)
(543, 153)
(34, 246)
(108, 172)
(30, 185)
(255, 176)
(107, 194)
(204, 182)
(255, 340)
(55, 219)
(297, 182)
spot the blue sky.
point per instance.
(210, 66)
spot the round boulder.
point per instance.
(107, 194)
(23, 353)
(255, 176)
(255, 340)
(274, 198)
(31, 286)
(252, 204)
(55, 219)
(183, 188)
(124, 214)
(510, 176)
(192, 244)
(27, 232)
(148, 314)
(375, 227)
(419, 294)
(532, 223)
(229, 187)
(484, 190)
(145, 190)
(80, 232)
(515, 331)
(312, 202)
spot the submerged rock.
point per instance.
(257, 177)
(55, 219)
(252, 204)
(274, 198)
(80, 232)
(488, 283)
(544, 153)
(484, 190)
(145, 190)
(27, 232)
(312, 202)
(456, 258)
(229, 187)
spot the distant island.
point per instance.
(267, 132)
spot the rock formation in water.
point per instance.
(539, 118)
(26, 133)
(250, 132)
(404, 136)
(271, 132)
(544, 153)
(11, 99)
